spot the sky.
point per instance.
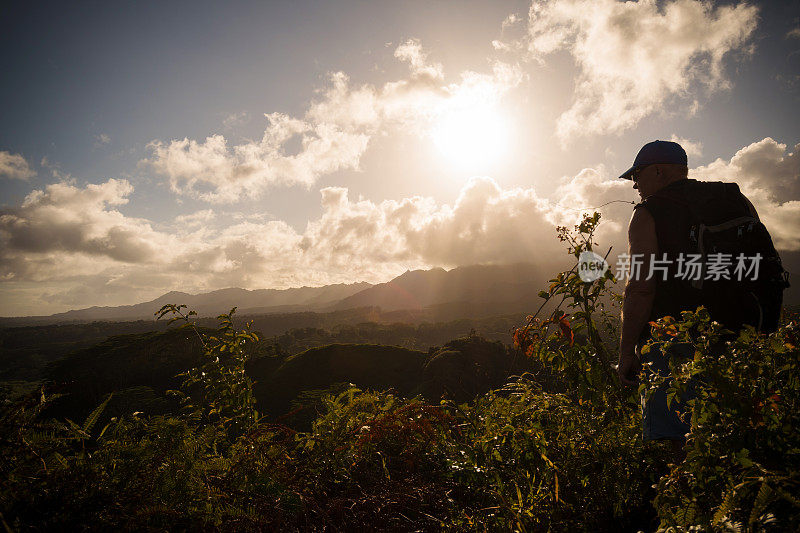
(155, 146)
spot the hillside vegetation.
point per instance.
(137, 364)
(471, 435)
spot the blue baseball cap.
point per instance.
(657, 153)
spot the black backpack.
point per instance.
(736, 296)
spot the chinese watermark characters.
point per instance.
(691, 267)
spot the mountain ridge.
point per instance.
(467, 287)
(206, 304)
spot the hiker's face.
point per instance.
(647, 181)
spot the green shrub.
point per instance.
(531, 460)
(742, 467)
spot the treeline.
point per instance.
(26, 352)
(141, 369)
(413, 336)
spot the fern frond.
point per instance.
(761, 502)
(76, 430)
(91, 420)
(61, 459)
(725, 508)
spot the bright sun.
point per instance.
(473, 139)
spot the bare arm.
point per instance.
(639, 292)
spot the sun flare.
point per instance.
(472, 138)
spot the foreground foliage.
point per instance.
(558, 449)
(518, 458)
(742, 468)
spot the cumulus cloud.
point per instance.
(15, 166)
(692, 148)
(211, 171)
(411, 104)
(411, 52)
(334, 132)
(486, 224)
(769, 176)
(592, 189)
(636, 57)
(195, 219)
(65, 234)
(63, 220)
(70, 235)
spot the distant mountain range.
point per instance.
(464, 291)
(479, 284)
(221, 301)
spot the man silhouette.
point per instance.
(662, 224)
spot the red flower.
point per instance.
(566, 329)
